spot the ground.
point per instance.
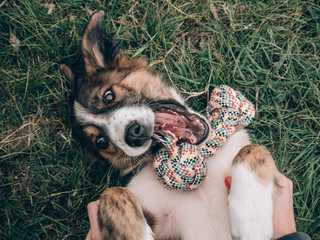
(268, 50)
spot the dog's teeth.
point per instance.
(159, 138)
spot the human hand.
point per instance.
(283, 214)
(94, 232)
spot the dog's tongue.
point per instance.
(186, 129)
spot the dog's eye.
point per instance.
(102, 143)
(109, 96)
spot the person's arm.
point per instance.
(284, 225)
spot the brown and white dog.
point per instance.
(116, 107)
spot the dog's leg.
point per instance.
(251, 193)
(121, 216)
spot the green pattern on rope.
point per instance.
(184, 167)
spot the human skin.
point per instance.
(94, 232)
(283, 214)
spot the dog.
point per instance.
(116, 107)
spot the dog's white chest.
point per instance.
(199, 214)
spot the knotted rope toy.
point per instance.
(183, 167)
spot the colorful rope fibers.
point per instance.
(184, 167)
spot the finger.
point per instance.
(284, 181)
(92, 209)
(93, 219)
(280, 177)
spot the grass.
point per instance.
(269, 50)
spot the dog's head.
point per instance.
(120, 101)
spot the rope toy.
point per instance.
(184, 167)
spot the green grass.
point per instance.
(269, 50)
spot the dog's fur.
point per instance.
(114, 115)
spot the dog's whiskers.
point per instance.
(116, 157)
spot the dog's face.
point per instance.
(120, 102)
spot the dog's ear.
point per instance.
(98, 49)
(67, 72)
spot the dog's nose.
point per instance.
(136, 135)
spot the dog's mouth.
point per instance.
(187, 127)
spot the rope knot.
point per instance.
(183, 166)
(179, 167)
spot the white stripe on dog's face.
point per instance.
(122, 118)
(114, 124)
(85, 117)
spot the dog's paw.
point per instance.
(250, 207)
(251, 194)
(121, 216)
